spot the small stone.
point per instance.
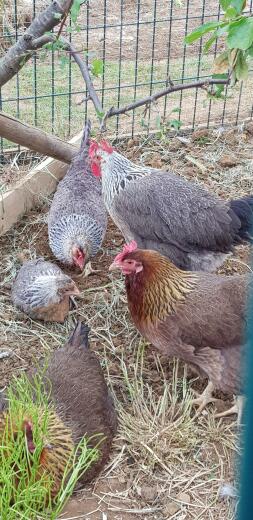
(200, 134)
(132, 141)
(171, 509)
(228, 161)
(5, 354)
(175, 145)
(148, 493)
(249, 127)
(184, 497)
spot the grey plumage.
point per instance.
(41, 288)
(167, 213)
(77, 216)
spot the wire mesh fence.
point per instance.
(141, 44)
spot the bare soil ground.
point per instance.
(165, 464)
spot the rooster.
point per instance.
(77, 218)
(81, 405)
(195, 316)
(43, 291)
(167, 213)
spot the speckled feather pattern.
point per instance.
(77, 214)
(167, 213)
(36, 285)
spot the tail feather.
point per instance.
(86, 136)
(80, 336)
(243, 209)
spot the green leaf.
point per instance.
(203, 29)
(224, 4)
(99, 113)
(238, 5)
(97, 68)
(210, 42)
(240, 34)
(241, 67)
(250, 51)
(75, 9)
(231, 12)
(175, 123)
(219, 76)
(177, 109)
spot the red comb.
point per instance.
(127, 248)
(106, 146)
(93, 148)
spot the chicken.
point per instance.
(195, 316)
(167, 213)
(81, 405)
(43, 291)
(55, 455)
(77, 218)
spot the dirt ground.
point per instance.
(164, 463)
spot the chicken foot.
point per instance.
(205, 398)
(237, 408)
(88, 270)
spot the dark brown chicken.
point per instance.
(81, 406)
(196, 317)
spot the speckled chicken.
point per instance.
(81, 406)
(169, 214)
(77, 217)
(195, 316)
(43, 291)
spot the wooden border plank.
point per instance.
(40, 182)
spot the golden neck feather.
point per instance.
(155, 292)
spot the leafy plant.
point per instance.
(22, 493)
(236, 29)
(172, 123)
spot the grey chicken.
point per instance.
(167, 213)
(77, 218)
(43, 291)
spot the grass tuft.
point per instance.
(25, 490)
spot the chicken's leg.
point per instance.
(205, 398)
(237, 408)
(89, 270)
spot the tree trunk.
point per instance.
(35, 139)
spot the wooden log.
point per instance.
(35, 139)
(40, 182)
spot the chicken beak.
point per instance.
(114, 267)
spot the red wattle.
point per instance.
(96, 170)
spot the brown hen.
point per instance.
(194, 316)
(81, 406)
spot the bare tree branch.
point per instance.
(161, 93)
(20, 52)
(83, 66)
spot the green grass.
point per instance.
(21, 494)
